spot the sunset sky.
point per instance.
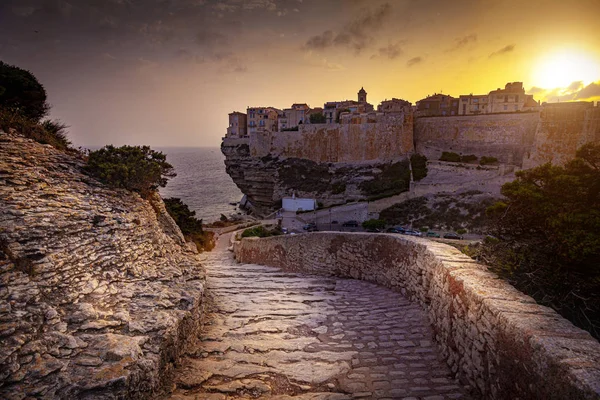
(167, 72)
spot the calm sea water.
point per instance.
(201, 181)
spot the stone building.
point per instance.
(510, 99)
(472, 104)
(290, 118)
(237, 125)
(394, 105)
(333, 109)
(262, 119)
(437, 105)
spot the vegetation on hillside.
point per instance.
(454, 157)
(450, 212)
(261, 231)
(418, 163)
(136, 168)
(21, 93)
(190, 226)
(317, 118)
(23, 106)
(394, 179)
(548, 231)
(374, 224)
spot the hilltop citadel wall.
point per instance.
(355, 152)
(388, 139)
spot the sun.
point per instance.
(560, 69)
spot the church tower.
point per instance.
(362, 95)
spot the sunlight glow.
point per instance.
(560, 69)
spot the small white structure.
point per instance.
(298, 204)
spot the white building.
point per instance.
(298, 204)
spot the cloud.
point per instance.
(589, 92)
(210, 39)
(356, 34)
(320, 42)
(414, 61)
(536, 90)
(506, 49)
(575, 86)
(234, 5)
(464, 41)
(23, 11)
(391, 51)
(574, 92)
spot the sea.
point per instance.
(201, 182)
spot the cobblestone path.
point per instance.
(278, 335)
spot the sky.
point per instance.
(167, 72)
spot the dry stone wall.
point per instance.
(99, 293)
(492, 336)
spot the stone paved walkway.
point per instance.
(278, 335)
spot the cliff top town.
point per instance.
(271, 119)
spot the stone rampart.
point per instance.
(563, 128)
(389, 139)
(493, 336)
(99, 293)
(508, 137)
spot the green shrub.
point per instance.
(374, 224)
(338, 188)
(461, 231)
(488, 160)
(394, 179)
(424, 229)
(450, 156)
(47, 132)
(418, 163)
(468, 158)
(260, 231)
(190, 226)
(136, 168)
(318, 118)
(549, 236)
(21, 93)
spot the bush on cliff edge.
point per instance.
(136, 168)
(190, 226)
(21, 93)
(23, 105)
(549, 236)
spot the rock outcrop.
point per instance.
(266, 180)
(99, 293)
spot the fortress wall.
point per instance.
(561, 131)
(494, 337)
(388, 139)
(508, 137)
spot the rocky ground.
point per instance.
(280, 335)
(99, 293)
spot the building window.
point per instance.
(505, 107)
(506, 99)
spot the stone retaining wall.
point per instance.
(494, 337)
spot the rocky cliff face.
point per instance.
(265, 180)
(99, 294)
